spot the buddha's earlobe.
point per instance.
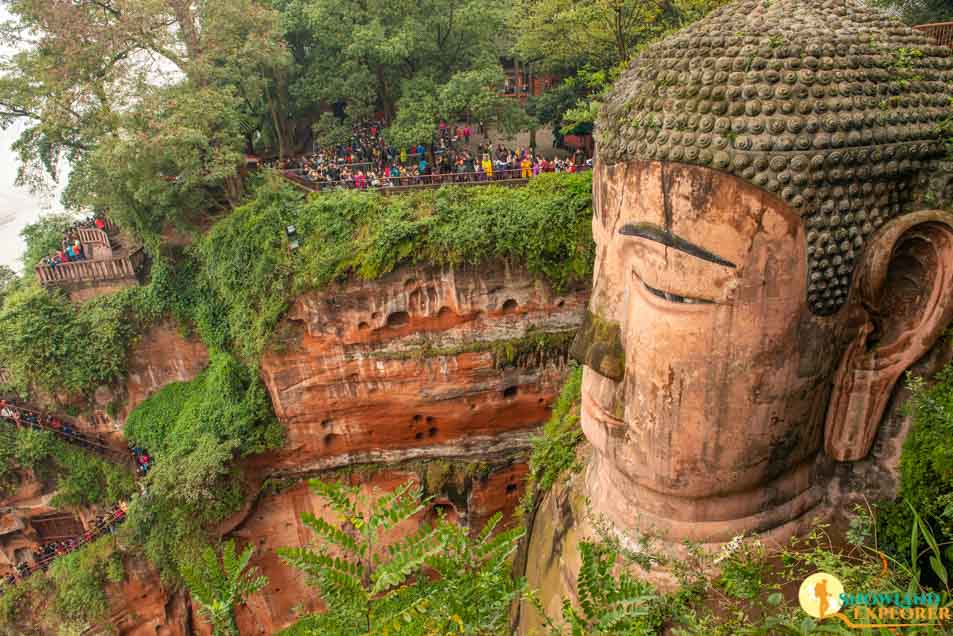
(900, 305)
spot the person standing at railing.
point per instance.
(487, 166)
(526, 167)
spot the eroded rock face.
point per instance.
(275, 522)
(417, 365)
(161, 356)
(142, 606)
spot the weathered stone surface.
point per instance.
(769, 293)
(830, 104)
(142, 606)
(161, 356)
(405, 367)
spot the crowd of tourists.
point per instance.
(72, 247)
(42, 557)
(368, 161)
(28, 418)
(143, 461)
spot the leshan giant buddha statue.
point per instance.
(767, 265)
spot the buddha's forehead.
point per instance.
(829, 105)
(718, 212)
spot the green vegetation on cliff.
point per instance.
(554, 448)
(245, 264)
(80, 478)
(235, 284)
(926, 474)
(195, 430)
(68, 597)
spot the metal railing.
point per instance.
(116, 516)
(119, 268)
(942, 32)
(393, 185)
(29, 417)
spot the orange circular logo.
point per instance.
(820, 595)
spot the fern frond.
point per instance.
(334, 536)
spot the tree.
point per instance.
(44, 237)
(589, 43)
(437, 580)
(86, 73)
(389, 56)
(220, 584)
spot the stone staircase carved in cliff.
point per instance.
(29, 417)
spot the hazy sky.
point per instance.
(17, 206)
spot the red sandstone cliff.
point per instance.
(425, 365)
(403, 367)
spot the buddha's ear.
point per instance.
(900, 305)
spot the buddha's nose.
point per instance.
(598, 345)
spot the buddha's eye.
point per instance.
(675, 298)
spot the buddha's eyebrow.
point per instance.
(657, 234)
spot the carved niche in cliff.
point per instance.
(766, 269)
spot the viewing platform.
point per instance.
(942, 32)
(510, 177)
(108, 269)
(107, 265)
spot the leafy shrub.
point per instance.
(554, 449)
(926, 471)
(249, 275)
(79, 580)
(194, 430)
(437, 580)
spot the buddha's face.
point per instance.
(715, 424)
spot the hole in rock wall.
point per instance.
(398, 319)
(510, 489)
(510, 392)
(418, 417)
(561, 304)
(418, 436)
(432, 431)
(363, 326)
(330, 439)
(430, 419)
(325, 423)
(410, 282)
(510, 306)
(444, 312)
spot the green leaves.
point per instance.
(547, 226)
(219, 584)
(608, 605)
(435, 580)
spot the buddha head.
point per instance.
(766, 267)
